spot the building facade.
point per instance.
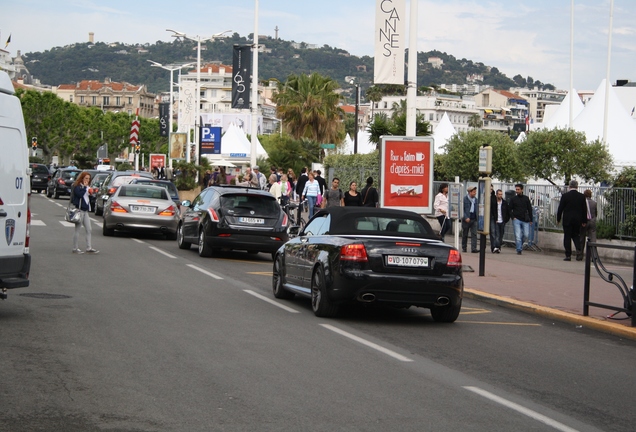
(502, 111)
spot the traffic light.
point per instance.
(34, 143)
(137, 148)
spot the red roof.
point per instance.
(97, 85)
(510, 95)
(215, 68)
(349, 109)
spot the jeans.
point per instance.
(311, 202)
(86, 222)
(496, 234)
(522, 229)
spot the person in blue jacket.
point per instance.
(79, 198)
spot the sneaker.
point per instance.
(518, 252)
(567, 259)
(92, 251)
(497, 250)
(78, 251)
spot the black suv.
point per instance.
(232, 217)
(61, 182)
(40, 176)
(112, 182)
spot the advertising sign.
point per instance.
(483, 211)
(407, 173)
(157, 161)
(178, 145)
(390, 41)
(210, 140)
(164, 118)
(241, 76)
(454, 200)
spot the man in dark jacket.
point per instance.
(573, 211)
(321, 182)
(521, 215)
(499, 216)
(369, 194)
(469, 220)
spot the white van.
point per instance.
(15, 191)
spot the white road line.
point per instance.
(270, 301)
(36, 222)
(162, 252)
(59, 205)
(205, 272)
(138, 241)
(525, 411)
(377, 347)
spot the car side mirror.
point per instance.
(186, 203)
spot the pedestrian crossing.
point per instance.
(37, 222)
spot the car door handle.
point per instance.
(3, 213)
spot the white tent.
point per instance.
(561, 117)
(621, 129)
(364, 145)
(443, 133)
(234, 142)
(521, 138)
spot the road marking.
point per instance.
(270, 301)
(36, 222)
(162, 252)
(192, 266)
(367, 343)
(246, 262)
(60, 205)
(523, 410)
(138, 241)
(501, 323)
(261, 273)
(473, 311)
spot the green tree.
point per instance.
(286, 152)
(475, 121)
(462, 156)
(308, 108)
(562, 154)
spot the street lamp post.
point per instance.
(171, 68)
(355, 133)
(197, 120)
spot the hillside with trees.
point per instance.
(121, 62)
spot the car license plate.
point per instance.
(250, 220)
(142, 209)
(406, 261)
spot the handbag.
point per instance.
(72, 215)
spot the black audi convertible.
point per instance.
(370, 255)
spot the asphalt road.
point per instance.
(148, 337)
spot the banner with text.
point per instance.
(241, 76)
(390, 38)
(187, 103)
(164, 118)
(406, 173)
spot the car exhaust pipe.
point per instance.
(442, 301)
(367, 297)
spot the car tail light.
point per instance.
(408, 244)
(168, 212)
(112, 190)
(354, 252)
(285, 219)
(224, 235)
(116, 208)
(213, 215)
(61, 181)
(454, 258)
(1, 202)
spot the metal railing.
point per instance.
(628, 294)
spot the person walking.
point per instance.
(441, 210)
(322, 182)
(590, 227)
(469, 220)
(261, 180)
(80, 199)
(573, 211)
(370, 197)
(221, 178)
(282, 190)
(334, 196)
(499, 216)
(352, 197)
(310, 192)
(520, 210)
(300, 182)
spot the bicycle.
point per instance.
(291, 209)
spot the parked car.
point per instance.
(61, 182)
(370, 255)
(111, 183)
(233, 218)
(40, 177)
(167, 185)
(141, 208)
(95, 184)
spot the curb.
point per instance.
(556, 314)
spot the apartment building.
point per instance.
(539, 99)
(501, 110)
(110, 96)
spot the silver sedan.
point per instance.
(140, 208)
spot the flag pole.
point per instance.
(411, 89)
(571, 65)
(607, 76)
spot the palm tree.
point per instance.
(475, 121)
(308, 108)
(373, 95)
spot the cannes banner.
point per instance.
(241, 76)
(390, 38)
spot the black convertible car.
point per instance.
(370, 255)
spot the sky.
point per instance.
(531, 38)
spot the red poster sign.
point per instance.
(157, 160)
(407, 173)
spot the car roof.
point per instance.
(225, 189)
(342, 219)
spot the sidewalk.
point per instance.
(542, 283)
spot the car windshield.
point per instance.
(39, 169)
(70, 175)
(124, 179)
(170, 187)
(260, 205)
(98, 180)
(143, 192)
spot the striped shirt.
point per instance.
(312, 188)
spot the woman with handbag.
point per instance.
(79, 198)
